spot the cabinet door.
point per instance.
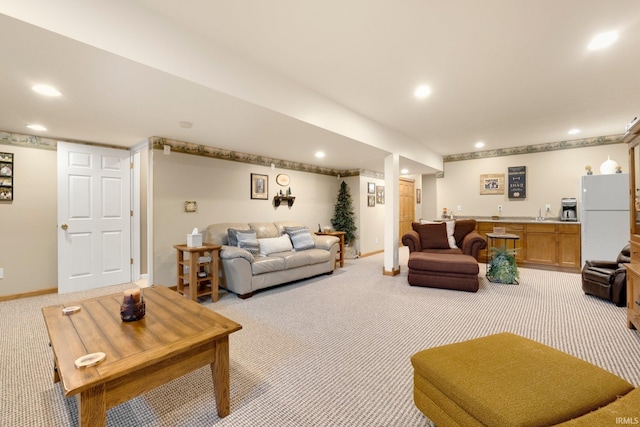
(518, 230)
(569, 246)
(541, 245)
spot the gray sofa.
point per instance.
(243, 272)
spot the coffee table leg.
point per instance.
(92, 407)
(220, 373)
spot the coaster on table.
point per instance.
(70, 310)
(89, 359)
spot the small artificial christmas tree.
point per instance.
(343, 214)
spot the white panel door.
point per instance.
(93, 217)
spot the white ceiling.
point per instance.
(285, 78)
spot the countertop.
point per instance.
(518, 219)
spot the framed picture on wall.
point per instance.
(259, 186)
(6, 177)
(371, 200)
(371, 187)
(418, 195)
(380, 194)
(492, 183)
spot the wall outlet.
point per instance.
(548, 208)
(499, 208)
(459, 208)
(1, 273)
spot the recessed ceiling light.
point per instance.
(46, 90)
(573, 131)
(404, 171)
(602, 40)
(37, 127)
(319, 154)
(479, 144)
(422, 91)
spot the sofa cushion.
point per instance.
(249, 242)
(432, 236)
(463, 227)
(232, 235)
(264, 229)
(300, 237)
(266, 264)
(272, 245)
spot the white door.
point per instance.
(93, 217)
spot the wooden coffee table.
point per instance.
(175, 337)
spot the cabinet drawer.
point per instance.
(541, 228)
(569, 229)
(635, 252)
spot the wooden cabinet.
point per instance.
(632, 138)
(548, 245)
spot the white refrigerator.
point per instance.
(604, 215)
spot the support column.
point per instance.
(391, 215)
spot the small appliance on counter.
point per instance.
(569, 210)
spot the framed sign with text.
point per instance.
(517, 182)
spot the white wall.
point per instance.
(222, 190)
(551, 176)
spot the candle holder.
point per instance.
(133, 306)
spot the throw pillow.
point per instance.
(232, 235)
(432, 236)
(450, 231)
(248, 241)
(301, 238)
(271, 245)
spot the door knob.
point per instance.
(64, 226)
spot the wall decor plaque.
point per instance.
(517, 182)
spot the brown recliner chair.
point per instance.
(607, 279)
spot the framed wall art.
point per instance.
(418, 196)
(371, 200)
(371, 187)
(517, 182)
(259, 186)
(380, 194)
(492, 183)
(6, 176)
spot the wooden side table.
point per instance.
(192, 283)
(340, 235)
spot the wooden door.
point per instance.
(93, 217)
(407, 206)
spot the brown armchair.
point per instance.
(607, 279)
(439, 238)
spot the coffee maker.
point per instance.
(569, 209)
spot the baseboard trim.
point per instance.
(28, 294)
(390, 273)
(361, 255)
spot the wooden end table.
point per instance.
(190, 283)
(175, 337)
(340, 235)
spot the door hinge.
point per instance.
(131, 261)
(130, 213)
(130, 165)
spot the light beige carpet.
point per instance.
(330, 351)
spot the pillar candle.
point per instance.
(132, 293)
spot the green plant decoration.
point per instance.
(503, 267)
(343, 216)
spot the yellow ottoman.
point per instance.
(507, 380)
